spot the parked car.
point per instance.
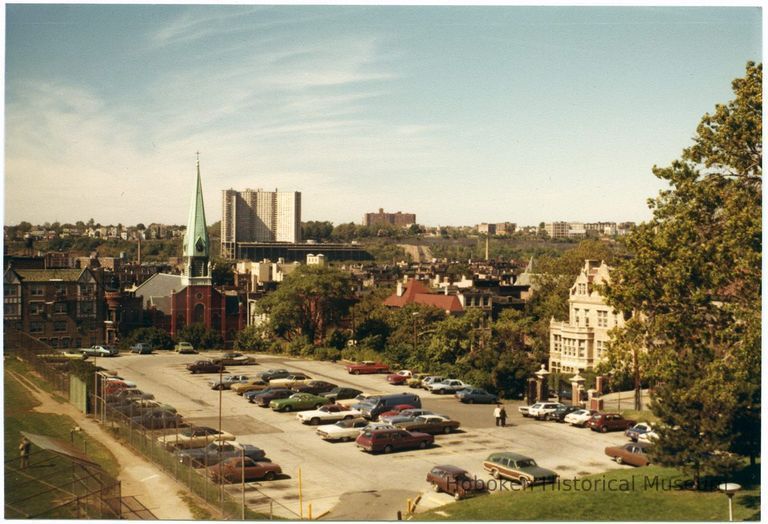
(136, 407)
(316, 387)
(158, 419)
(269, 374)
(540, 410)
(580, 417)
(250, 395)
(216, 452)
(298, 402)
(430, 424)
(184, 348)
(609, 422)
(354, 402)
(635, 432)
(234, 359)
(430, 379)
(632, 453)
(344, 430)
(291, 381)
(399, 378)
(236, 469)
(115, 385)
(388, 440)
(395, 410)
(264, 397)
(448, 385)
(194, 437)
(406, 415)
(124, 394)
(227, 381)
(526, 410)
(367, 367)
(519, 468)
(141, 348)
(415, 380)
(648, 437)
(100, 351)
(339, 393)
(476, 396)
(560, 413)
(454, 481)
(327, 413)
(205, 366)
(371, 407)
(255, 384)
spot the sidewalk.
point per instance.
(139, 478)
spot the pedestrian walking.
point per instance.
(497, 414)
(24, 448)
(503, 416)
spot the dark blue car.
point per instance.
(476, 396)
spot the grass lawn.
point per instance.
(18, 405)
(632, 498)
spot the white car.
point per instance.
(580, 417)
(352, 401)
(194, 437)
(291, 381)
(542, 409)
(432, 379)
(448, 385)
(100, 351)
(344, 430)
(328, 413)
(228, 380)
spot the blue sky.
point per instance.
(460, 114)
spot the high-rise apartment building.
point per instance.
(259, 216)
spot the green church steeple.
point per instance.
(196, 242)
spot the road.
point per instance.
(338, 478)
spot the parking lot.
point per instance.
(369, 486)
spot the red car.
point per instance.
(388, 440)
(396, 410)
(367, 367)
(234, 469)
(609, 422)
(399, 378)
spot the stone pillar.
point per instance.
(577, 386)
(542, 384)
(530, 396)
(601, 384)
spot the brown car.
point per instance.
(205, 366)
(236, 469)
(454, 481)
(632, 453)
(609, 422)
(388, 440)
(430, 424)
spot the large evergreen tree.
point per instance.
(694, 284)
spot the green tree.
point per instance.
(253, 338)
(199, 336)
(156, 338)
(694, 282)
(308, 302)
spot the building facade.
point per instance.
(580, 342)
(61, 307)
(556, 229)
(393, 219)
(259, 216)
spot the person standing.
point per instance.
(503, 416)
(497, 414)
(24, 448)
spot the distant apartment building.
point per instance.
(393, 219)
(259, 216)
(556, 229)
(580, 342)
(500, 228)
(576, 230)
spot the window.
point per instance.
(602, 319)
(599, 346)
(61, 290)
(586, 317)
(86, 308)
(35, 327)
(60, 307)
(576, 316)
(12, 310)
(10, 290)
(36, 308)
(37, 291)
(60, 325)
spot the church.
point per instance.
(176, 301)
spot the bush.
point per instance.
(251, 338)
(332, 354)
(156, 338)
(199, 336)
(299, 346)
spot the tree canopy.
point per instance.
(694, 284)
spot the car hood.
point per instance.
(539, 472)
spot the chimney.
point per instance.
(399, 289)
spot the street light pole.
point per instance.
(221, 484)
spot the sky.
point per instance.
(459, 114)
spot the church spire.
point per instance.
(196, 242)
